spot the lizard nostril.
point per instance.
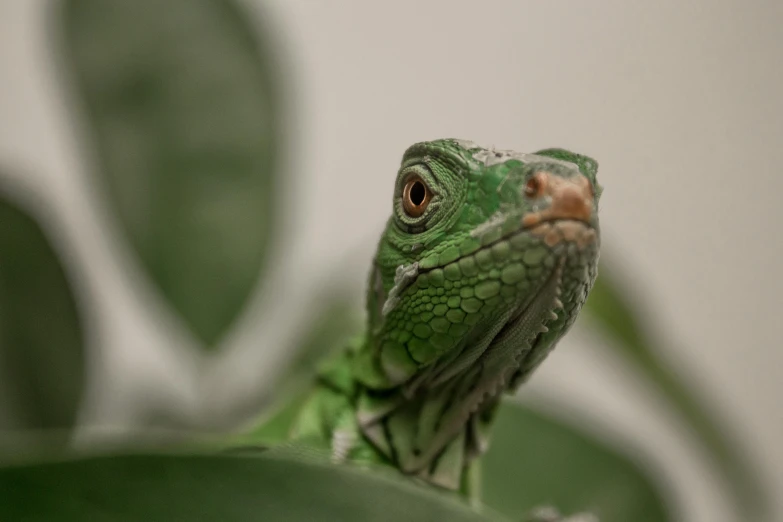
(534, 187)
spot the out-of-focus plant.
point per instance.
(181, 104)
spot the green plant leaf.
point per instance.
(535, 460)
(215, 488)
(182, 108)
(41, 338)
(612, 312)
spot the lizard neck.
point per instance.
(435, 424)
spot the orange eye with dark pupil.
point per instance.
(415, 196)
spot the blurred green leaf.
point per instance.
(614, 315)
(272, 427)
(215, 488)
(535, 460)
(41, 338)
(183, 110)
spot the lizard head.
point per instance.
(485, 248)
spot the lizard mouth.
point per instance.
(563, 230)
(557, 220)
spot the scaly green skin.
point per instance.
(463, 303)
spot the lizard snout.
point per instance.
(569, 198)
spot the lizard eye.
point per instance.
(416, 196)
(535, 185)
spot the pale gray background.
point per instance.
(679, 102)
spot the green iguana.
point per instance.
(483, 266)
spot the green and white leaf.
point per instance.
(612, 313)
(199, 488)
(42, 352)
(181, 108)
